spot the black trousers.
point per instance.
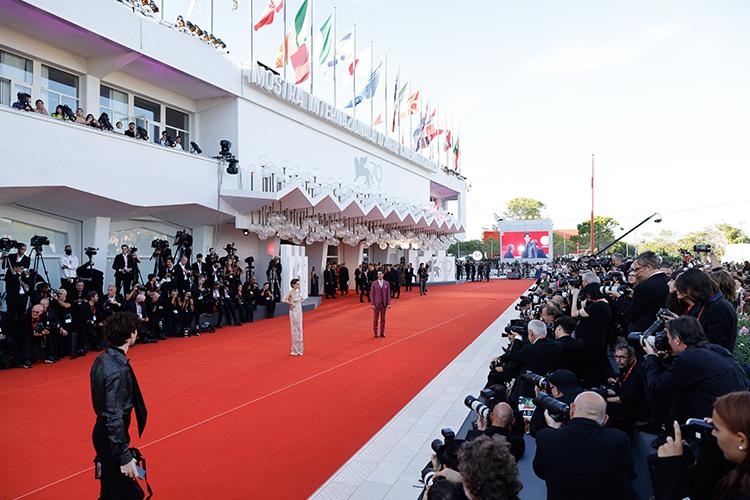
(124, 280)
(364, 291)
(113, 483)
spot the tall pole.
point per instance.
(372, 98)
(385, 100)
(335, 57)
(212, 17)
(284, 41)
(252, 64)
(311, 57)
(354, 74)
(591, 223)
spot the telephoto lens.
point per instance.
(558, 410)
(477, 407)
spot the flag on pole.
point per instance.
(273, 8)
(412, 105)
(455, 155)
(369, 90)
(301, 63)
(397, 98)
(448, 141)
(378, 120)
(363, 60)
(300, 21)
(344, 49)
(326, 40)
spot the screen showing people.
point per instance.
(525, 245)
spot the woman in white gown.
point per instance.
(294, 299)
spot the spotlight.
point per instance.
(194, 148)
(658, 218)
(225, 146)
(232, 166)
(245, 232)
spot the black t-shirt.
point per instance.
(596, 326)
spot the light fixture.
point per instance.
(245, 232)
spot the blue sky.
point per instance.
(659, 91)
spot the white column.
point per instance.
(90, 95)
(203, 239)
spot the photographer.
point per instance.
(155, 312)
(594, 320)
(68, 266)
(112, 303)
(627, 400)
(549, 313)
(572, 348)
(90, 321)
(699, 372)
(35, 335)
(583, 459)
(501, 424)
(731, 429)
(23, 102)
(563, 386)
(708, 305)
(123, 267)
(488, 470)
(649, 295)
(539, 355)
(63, 311)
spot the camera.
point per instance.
(133, 250)
(702, 248)
(68, 113)
(183, 239)
(538, 380)
(559, 411)
(654, 334)
(38, 241)
(24, 99)
(6, 244)
(90, 251)
(446, 449)
(159, 245)
(478, 407)
(694, 432)
(516, 327)
(572, 281)
(230, 248)
(621, 289)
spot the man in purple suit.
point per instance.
(380, 296)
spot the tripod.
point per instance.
(158, 263)
(37, 253)
(182, 250)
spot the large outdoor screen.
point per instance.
(525, 245)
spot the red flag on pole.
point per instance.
(273, 7)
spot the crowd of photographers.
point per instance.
(606, 352)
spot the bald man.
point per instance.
(582, 459)
(501, 424)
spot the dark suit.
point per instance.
(572, 353)
(648, 297)
(344, 280)
(198, 269)
(541, 357)
(719, 320)
(693, 381)
(329, 283)
(14, 260)
(123, 278)
(583, 460)
(17, 288)
(409, 278)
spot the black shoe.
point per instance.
(25, 364)
(382, 334)
(375, 335)
(50, 361)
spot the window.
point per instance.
(138, 237)
(178, 124)
(115, 104)
(16, 75)
(148, 115)
(332, 255)
(59, 87)
(23, 233)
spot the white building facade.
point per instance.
(308, 176)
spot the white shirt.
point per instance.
(380, 282)
(68, 265)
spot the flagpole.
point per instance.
(354, 76)
(311, 56)
(252, 20)
(283, 42)
(411, 145)
(335, 57)
(399, 114)
(372, 100)
(385, 96)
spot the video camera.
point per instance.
(25, 100)
(559, 411)
(91, 251)
(159, 245)
(654, 335)
(516, 327)
(37, 242)
(68, 113)
(6, 244)
(230, 248)
(183, 239)
(702, 248)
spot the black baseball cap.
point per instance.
(565, 381)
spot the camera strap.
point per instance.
(140, 460)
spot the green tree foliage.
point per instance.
(522, 208)
(733, 234)
(604, 232)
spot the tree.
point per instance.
(604, 232)
(733, 234)
(665, 243)
(710, 235)
(467, 247)
(522, 208)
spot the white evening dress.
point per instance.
(295, 321)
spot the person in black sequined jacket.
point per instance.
(114, 394)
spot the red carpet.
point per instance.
(232, 415)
